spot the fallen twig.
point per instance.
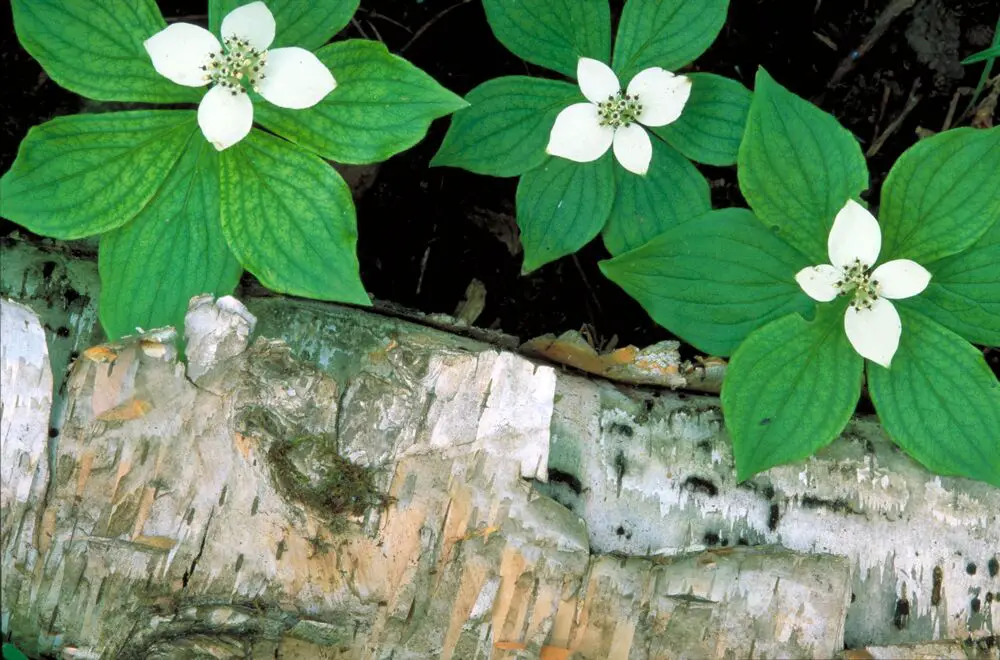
(948, 118)
(357, 26)
(911, 102)
(434, 19)
(895, 9)
(886, 92)
(984, 77)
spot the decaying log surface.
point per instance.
(25, 406)
(62, 288)
(651, 473)
(204, 515)
(529, 511)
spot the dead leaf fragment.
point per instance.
(510, 646)
(658, 364)
(131, 409)
(153, 349)
(155, 542)
(100, 354)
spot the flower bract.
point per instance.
(190, 55)
(871, 321)
(583, 132)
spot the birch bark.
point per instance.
(507, 508)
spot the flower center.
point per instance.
(619, 110)
(237, 59)
(857, 280)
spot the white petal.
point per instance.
(633, 148)
(180, 50)
(597, 80)
(577, 134)
(225, 119)
(819, 282)
(295, 78)
(661, 94)
(855, 235)
(901, 278)
(253, 22)
(874, 333)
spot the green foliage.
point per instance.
(265, 182)
(989, 56)
(964, 293)
(789, 390)
(666, 33)
(507, 127)
(983, 55)
(11, 652)
(504, 130)
(714, 279)
(940, 402)
(561, 206)
(382, 105)
(554, 34)
(797, 167)
(304, 23)
(670, 194)
(941, 195)
(82, 175)
(178, 219)
(725, 282)
(94, 48)
(711, 127)
(172, 250)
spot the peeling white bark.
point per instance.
(215, 331)
(25, 403)
(26, 399)
(651, 473)
(172, 523)
(657, 477)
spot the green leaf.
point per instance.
(939, 401)
(173, 250)
(665, 33)
(382, 105)
(713, 280)
(94, 48)
(289, 219)
(11, 652)
(554, 34)
(941, 195)
(964, 293)
(671, 193)
(505, 129)
(303, 23)
(85, 174)
(797, 167)
(561, 206)
(989, 53)
(790, 390)
(711, 127)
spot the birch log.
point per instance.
(183, 520)
(651, 473)
(507, 509)
(25, 407)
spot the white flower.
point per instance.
(584, 131)
(191, 56)
(871, 322)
